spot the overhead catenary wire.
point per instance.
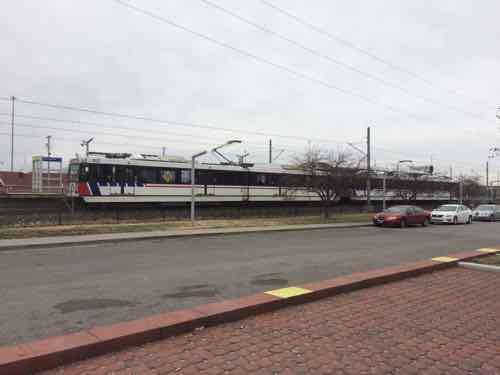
(99, 132)
(142, 147)
(121, 127)
(281, 67)
(335, 61)
(296, 148)
(362, 51)
(171, 122)
(289, 150)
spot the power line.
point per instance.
(128, 145)
(334, 60)
(97, 132)
(100, 142)
(265, 61)
(93, 132)
(133, 117)
(31, 126)
(360, 50)
(170, 122)
(114, 127)
(100, 125)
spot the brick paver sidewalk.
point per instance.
(447, 322)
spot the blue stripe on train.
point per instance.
(94, 187)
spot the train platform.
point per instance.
(55, 241)
(444, 322)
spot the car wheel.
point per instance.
(492, 218)
(426, 222)
(403, 223)
(455, 220)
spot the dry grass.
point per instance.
(77, 229)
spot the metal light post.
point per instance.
(85, 143)
(193, 168)
(384, 177)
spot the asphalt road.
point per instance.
(46, 292)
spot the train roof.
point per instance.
(186, 164)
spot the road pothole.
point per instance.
(90, 304)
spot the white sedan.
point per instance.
(452, 213)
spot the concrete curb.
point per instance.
(479, 267)
(44, 242)
(56, 351)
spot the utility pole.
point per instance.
(384, 188)
(488, 179)
(48, 161)
(487, 173)
(461, 190)
(13, 98)
(368, 167)
(270, 151)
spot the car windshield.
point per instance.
(485, 207)
(396, 209)
(446, 207)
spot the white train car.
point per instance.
(119, 178)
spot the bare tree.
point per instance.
(327, 173)
(471, 189)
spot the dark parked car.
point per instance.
(402, 216)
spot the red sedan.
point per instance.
(402, 216)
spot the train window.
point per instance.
(147, 176)
(186, 176)
(129, 176)
(119, 173)
(272, 179)
(203, 177)
(105, 173)
(241, 179)
(261, 179)
(168, 176)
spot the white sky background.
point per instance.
(99, 55)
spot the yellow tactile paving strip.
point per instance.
(488, 250)
(288, 292)
(444, 259)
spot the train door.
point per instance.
(124, 178)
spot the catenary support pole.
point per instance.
(13, 98)
(384, 188)
(368, 167)
(270, 151)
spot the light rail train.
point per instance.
(121, 178)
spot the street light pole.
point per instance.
(384, 178)
(193, 160)
(86, 144)
(193, 169)
(368, 167)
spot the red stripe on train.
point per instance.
(84, 189)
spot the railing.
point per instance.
(23, 189)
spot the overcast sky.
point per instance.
(423, 74)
